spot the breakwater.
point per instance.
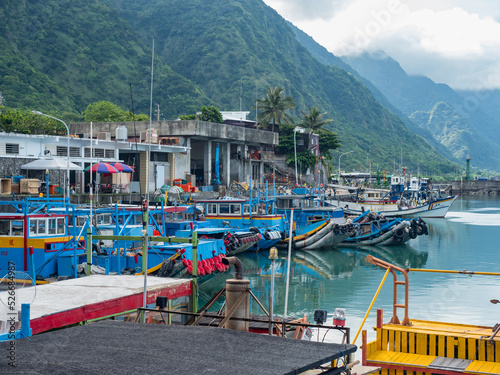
(474, 187)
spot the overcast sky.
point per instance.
(456, 42)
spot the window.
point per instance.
(52, 226)
(212, 208)
(12, 148)
(61, 225)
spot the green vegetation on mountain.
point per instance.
(60, 56)
(416, 96)
(235, 50)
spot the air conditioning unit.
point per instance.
(105, 136)
(169, 141)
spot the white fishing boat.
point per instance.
(404, 199)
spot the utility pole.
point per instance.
(158, 112)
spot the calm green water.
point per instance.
(468, 238)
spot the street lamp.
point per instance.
(345, 153)
(295, 130)
(67, 161)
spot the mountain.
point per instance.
(234, 50)
(323, 55)
(62, 55)
(415, 94)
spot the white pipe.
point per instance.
(290, 239)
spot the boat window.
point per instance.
(4, 227)
(11, 228)
(52, 225)
(103, 219)
(61, 225)
(211, 208)
(80, 221)
(37, 227)
(17, 228)
(42, 226)
(246, 208)
(223, 209)
(236, 209)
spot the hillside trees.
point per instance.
(105, 111)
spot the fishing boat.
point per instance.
(122, 249)
(374, 229)
(315, 225)
(254, 223)
(35, 241)
(415, 346)
(404, 199)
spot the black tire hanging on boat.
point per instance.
(254, 229)
(399, 234)
(420, 230)
(412, 232)
(426, 231)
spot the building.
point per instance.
(243, 150)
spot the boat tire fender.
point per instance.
(412, 233)
(254, 229)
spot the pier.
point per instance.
(73, 301)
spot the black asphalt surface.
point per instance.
(115, 347)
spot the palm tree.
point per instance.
(313, 121)
(272, 108)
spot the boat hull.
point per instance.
(436, 209)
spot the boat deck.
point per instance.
(117, 347)
(68, 302)
(434, 347)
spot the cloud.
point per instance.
(451, 41)
(300, 10)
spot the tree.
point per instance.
(105, 111)
(328, 141)
(211, 114)
(272, 108)
(313, 120)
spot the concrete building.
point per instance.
(243, 150)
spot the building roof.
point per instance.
(114, 347)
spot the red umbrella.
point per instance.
(102, 168)
(120, 167)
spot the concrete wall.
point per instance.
(475, 187)
(188, 128)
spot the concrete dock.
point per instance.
(69, 302)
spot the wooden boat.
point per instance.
(426, 347)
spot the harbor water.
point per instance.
(340, 277)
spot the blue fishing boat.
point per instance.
(35, 241)
(375, 229)
(315, 225)
(253, 222)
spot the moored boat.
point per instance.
(404, 199)
(374, 229)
